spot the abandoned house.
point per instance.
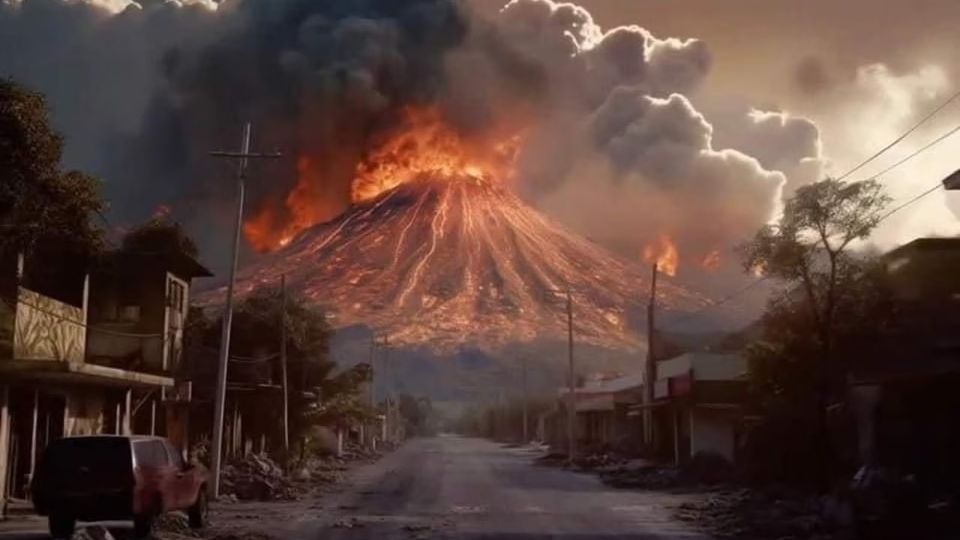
(89, 347)
(905, 384)
(698, 399)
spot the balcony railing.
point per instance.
(47, 329)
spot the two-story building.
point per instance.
(87, 348)
(905, 383)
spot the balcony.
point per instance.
(48, 329)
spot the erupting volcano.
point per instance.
(437, 250)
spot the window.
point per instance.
(150, 454)
(176, 294)
(175, 457)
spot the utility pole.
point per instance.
(523, 363)
(373, 371)
(650, 366)
(571, 382)
(571, 396)
(371, 393)
(283, 363)
(244, 155)
(389, 396)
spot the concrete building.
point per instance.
(905, 383)
(697, 405)
(89, 351)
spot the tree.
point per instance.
(341, 402)
(418, 415)
(159, 236)
(39, 201)
(255, 344)
(809, 251)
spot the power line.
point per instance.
(908, 157)
(918, 151)
(730, 297)
(903, 136)
(916, 198)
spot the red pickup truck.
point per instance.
(105, 477)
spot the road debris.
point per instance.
(93, 532)
(348, 523)
(758, 515)
(173, 523)
(257, 477)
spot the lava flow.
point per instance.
(438, 251)
(422, 145)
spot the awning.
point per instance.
(635, 410)
(79, 373)
(601, 403)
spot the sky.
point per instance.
(751, 98)
(863, 70)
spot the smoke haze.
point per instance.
(634, 121)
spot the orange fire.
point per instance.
(425, 145)
(664, 253)
(712, 260)
(429, 146)
(272, 227)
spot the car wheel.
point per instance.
(142, 526)
(61, 526)
(197, 513)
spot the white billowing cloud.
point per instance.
(556, 27)
(878, 105)
(622, 155)
(780, 141)
(653, 170)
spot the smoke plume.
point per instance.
(611, 140)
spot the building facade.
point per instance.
(89, 349)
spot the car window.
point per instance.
(74, 461)
(175, 457)
(150, 454)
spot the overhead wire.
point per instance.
(743, 290)
(728, 298)
(918, 151)
(902, 136)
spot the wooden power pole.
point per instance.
(650, 371)
(216, 449)
(283, 363)
(571, 383)
(523, 363)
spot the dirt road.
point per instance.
(457, 488)
(452, 487)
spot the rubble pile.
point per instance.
(314, 471)
(702, 470)
(93, 532)
(553, 459)
(357, 452)
(257, 477)
(173, 524)
(757, 515)
(599, 461)
(645, 475)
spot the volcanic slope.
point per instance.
(453, 262)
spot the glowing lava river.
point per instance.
(446, 262)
